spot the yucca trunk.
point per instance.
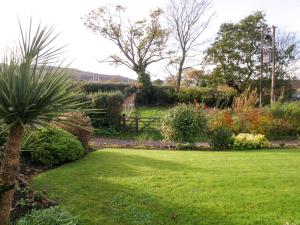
(10, 171)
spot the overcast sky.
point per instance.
(85, 47)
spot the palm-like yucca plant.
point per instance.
(31, 93)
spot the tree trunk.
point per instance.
(180, 70)
(10, 171)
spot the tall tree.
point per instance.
(235, 53)
(287, 54)
(140, 42)
(31, 93)
(187, 20)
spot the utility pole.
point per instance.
(273, 66)
(261, 64)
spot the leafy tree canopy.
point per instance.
(235, 53)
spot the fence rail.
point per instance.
(139, 124)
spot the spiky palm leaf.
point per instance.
(31, 92)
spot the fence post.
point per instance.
(136, 124)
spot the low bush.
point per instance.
(246, 141)
(183, 123)
(53, 146)
(221, 138)
(285, 119)
(50, 216)
(79, 125)
(109, 105)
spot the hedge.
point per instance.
(109, 109)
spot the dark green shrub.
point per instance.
(211, 97)
(221, 138)
(53, 146)
(50, 216)
(183, 123)
(162, 95)
(246, 141)
(159, 95)
(109, 105)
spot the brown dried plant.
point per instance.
(247, 100)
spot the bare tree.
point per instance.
(187, 20)
(287, 54)
(141, 42)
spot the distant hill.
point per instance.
(97, 77)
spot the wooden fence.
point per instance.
(139, 124)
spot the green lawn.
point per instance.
(140, 187)
(151, 111)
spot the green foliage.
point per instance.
(284, 119)
(109, 105)
(208, 96)
(235, 53)
(183, 123)
(50, 216)
(246, 141)
(236, 49)
(221, 138)
(53, 146)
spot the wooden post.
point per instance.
(273, 67)
(261, 65)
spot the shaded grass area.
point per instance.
(140, 187)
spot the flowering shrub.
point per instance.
(183, 123)
(249, 121)
(246, 141)
(220, 118)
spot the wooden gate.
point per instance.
(139, 124)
